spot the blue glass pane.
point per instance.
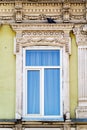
(52, 92)
(42, 57)
(33, 92)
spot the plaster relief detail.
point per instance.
(18, 11)
(41, 35)
(34, 11)
(81, 112)
(52, 35)
(80, 32)
(66, 11)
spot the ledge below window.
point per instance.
(42, 119)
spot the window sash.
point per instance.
(52, 91)
(33, 91)
(42, 57)
(42, 70)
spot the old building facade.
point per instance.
(43, 59)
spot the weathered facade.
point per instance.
(43, 25)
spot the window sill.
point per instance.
(42, 119)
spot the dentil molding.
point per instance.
(42, 35)
(16, 11)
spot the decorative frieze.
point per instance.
(77, 12)
(34, 11)
(43, 34)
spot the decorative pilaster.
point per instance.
(19, 76)
(66, 74)
(81, 39)
(17, 46)
(68, 41)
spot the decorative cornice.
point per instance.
(42, 35)
(41, 26)
(44, 1)
(15, 11)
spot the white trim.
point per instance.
(61, 78)
(14, 45)
(41, 88)
(84, 46)
(19, 85)
(42, 92)
(42, 47)
(37, 67)
(24, 90)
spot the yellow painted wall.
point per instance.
(73, 76)
(7, 73)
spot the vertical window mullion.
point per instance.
(42, 91)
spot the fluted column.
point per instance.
(80, 32)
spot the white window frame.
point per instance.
(26, 68)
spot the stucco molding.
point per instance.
(81, 112)
(20, 11)
(80, 32)
(42, 34)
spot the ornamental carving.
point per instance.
(39, 10)
(80, 32)
(42, 35)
